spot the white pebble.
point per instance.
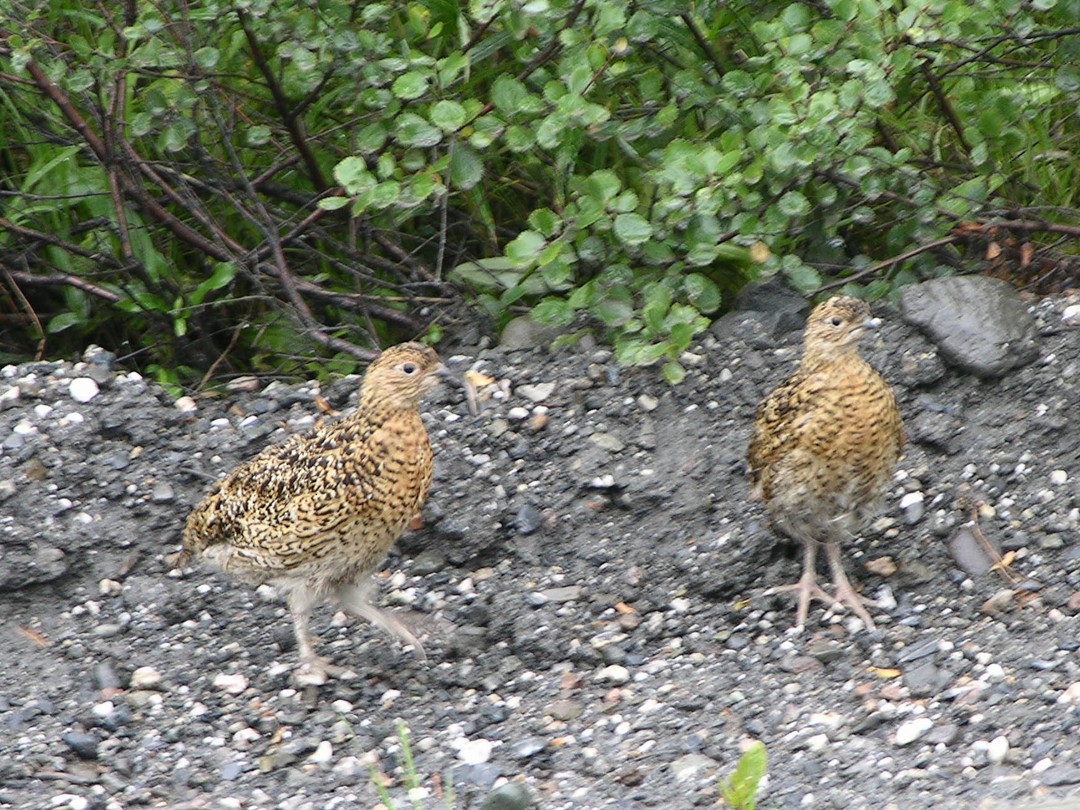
(1071, 695)
(997, 750)
(73, 418)
(348, 766)
(10, 397)
(41, 411)
(616, 673)
(186, 405)
(474, 752)
(818, 742)
(24, 428)
(145, 678)
(1059, 477)
(538, 392)
(83, 389)
(233, 684)
(517, 413)
(1071, 314)
(103, 709)
(995, 673)
(69, 801)
(910, 730)
(323, 753)
(680, 604)
(912, 507)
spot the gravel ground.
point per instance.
(587, 579)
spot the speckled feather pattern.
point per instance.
(324, 507)
(826, 440)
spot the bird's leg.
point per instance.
(844, 592)
(356, 598)
(807, 582)
(806, 588)
(313, 669)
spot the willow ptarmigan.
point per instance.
(824, 446)
(315, 515)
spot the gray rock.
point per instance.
(428, 561)
(1061, 775)
(979, 324)
(923, 679)
(528, 747)
(84, 746)
(525, 333)
(969, 552)
(536, 393)
(511, 796)
(528, 519)
(781, 309)
(692, 766)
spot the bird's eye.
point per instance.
(409, 368)
(836, 320)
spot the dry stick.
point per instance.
(63, 280)
(977, 228)
(30, 312)
(945, 105)
(178, 228)
(291, 120)
(67, 247)
(221, 357)
(868, 271)
(703, 43)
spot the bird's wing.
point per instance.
(298, 500)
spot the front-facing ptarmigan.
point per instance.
(824, 447)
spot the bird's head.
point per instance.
(401, 375)
(836, 326)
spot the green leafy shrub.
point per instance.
(248, 184)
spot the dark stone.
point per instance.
(979, 324)
(84, 745)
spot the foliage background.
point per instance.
(282, 187)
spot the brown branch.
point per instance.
(703, 43)
(28, 279)
(25, 304)
(944, 104)
(291, 120)
(179, 229)
(903, 257)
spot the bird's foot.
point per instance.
(315, 671)
(805, 590)
(846, 595)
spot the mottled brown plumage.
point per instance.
(824, 446)
(316, 515)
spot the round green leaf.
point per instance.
(448, 116)
(466, 168)
(632, 229)
(412, 130)
(794, 204)
(410, 85)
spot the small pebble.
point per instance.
(615, 673)
(474, 752)
(146, 678)
(912, 507)
(83, 389)
(911, 730)
(234, 683)
(536, 393)
(997, 750)
(84, 746)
